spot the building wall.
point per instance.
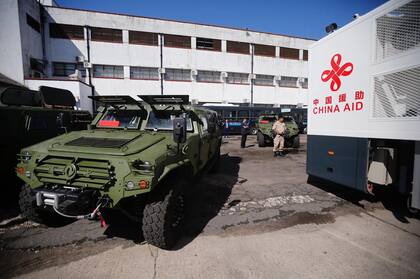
(31, 40)
(10, 41)
(127, 55)
(80, 90)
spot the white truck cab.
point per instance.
(364, 102)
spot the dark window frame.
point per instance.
(230, 81)
(76, 66)
(237, 47)
(33, 23)
(113, 74)
(142, 78)
(289, 53)
(305, 55)
(149, 39)
(66, 31)
(107, 35)
(216, 76)
(177, 41)
(183, 71)
(264, 50)
(216, 44)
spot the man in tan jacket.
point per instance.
(279, 129)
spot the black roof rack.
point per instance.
(115, 100)
(165, 99)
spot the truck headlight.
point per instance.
(26, 156)
(143, 166)
(130, 185)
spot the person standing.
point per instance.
(279, 129)
(226, 130)
(244, 132)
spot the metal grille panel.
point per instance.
(73, 172)
(397, 95)
(398, 30)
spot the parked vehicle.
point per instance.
(29, 117)
(265, 135)
(136, 158)
(364, 103)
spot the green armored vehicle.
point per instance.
(28, 117)
(265, 133)
(133, 156)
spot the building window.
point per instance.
(32, 22)
(288, 81)
(264, 80)
(305, 55)
(177, 41)
(237, 47)
(143, 38)
(144, 73)
(62, 69)
(305, 83)
(265, 50)
(65, 31)
(108, 71)
(208, 76)
(237, 78)
(106, 35)
(208, 44)
(178, 74)
(289, 53)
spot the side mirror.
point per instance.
(180, 130)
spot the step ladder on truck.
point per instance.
(364, 102)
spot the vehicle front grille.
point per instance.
(75, 172)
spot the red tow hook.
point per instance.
(102, 220)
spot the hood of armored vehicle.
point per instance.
(105, 142)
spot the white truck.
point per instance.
(364, 102)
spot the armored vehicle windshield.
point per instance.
(129, 119)
(164, 121)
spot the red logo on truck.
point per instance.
(336, 71)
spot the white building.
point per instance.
(43, 44)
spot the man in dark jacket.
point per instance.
(244, 132)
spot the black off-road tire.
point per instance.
(216, 162)
(296, 142)
(30, 211)
(27, 205)
(260, 139)
(254, 131)
(163, 217)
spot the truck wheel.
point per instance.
(254, 131)
(27, 205)
(30, 211)
(296, 142)
(260, 139)
(163, 218)
(216, 162)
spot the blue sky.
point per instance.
(299, 18)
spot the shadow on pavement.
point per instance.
(208, 195)
(390, 200)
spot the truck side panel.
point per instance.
(340, 159)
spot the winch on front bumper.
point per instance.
(70, 201)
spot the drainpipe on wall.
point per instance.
(90, 70)
(252, 75)
(42, 19)
(161, 63)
